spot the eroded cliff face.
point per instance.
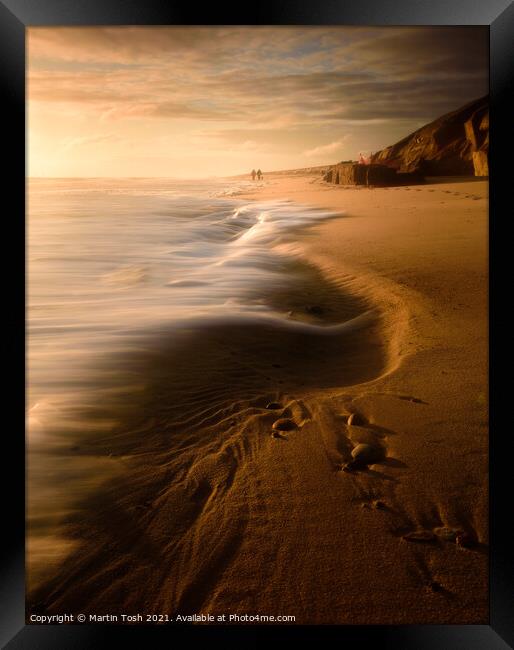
(454, 144)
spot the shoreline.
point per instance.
(207, 512)
(419, 253)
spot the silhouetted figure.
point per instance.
(253, 174)
(259, 174)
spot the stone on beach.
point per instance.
(355, 419)
(284, 424)
(364, 455)
(367, 454)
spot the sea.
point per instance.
(113, 264)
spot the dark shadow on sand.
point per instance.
(136, 535)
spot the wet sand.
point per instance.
(207, 512)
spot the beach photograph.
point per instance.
(257, 325)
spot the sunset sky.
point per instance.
(194, 102)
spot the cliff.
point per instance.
(454, 144)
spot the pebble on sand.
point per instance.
(364, 455)
(367, 454)
(284, 424)
(356, 419)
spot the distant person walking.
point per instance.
(259, 174)
(253, 174)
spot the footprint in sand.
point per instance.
(425, 577)
(466, 540)
(429, 528)
(446, 534)
(409, 398)
(420, 536)
(377, 504)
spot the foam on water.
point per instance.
(111, 259)
(134, 285)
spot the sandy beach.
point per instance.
(420, 254)
(257, 397)
(204, 511)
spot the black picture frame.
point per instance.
(15, 16)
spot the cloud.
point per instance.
(163, 109)
(324, 150)
(72, 143)
(289, 88)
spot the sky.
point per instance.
(196, 102)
